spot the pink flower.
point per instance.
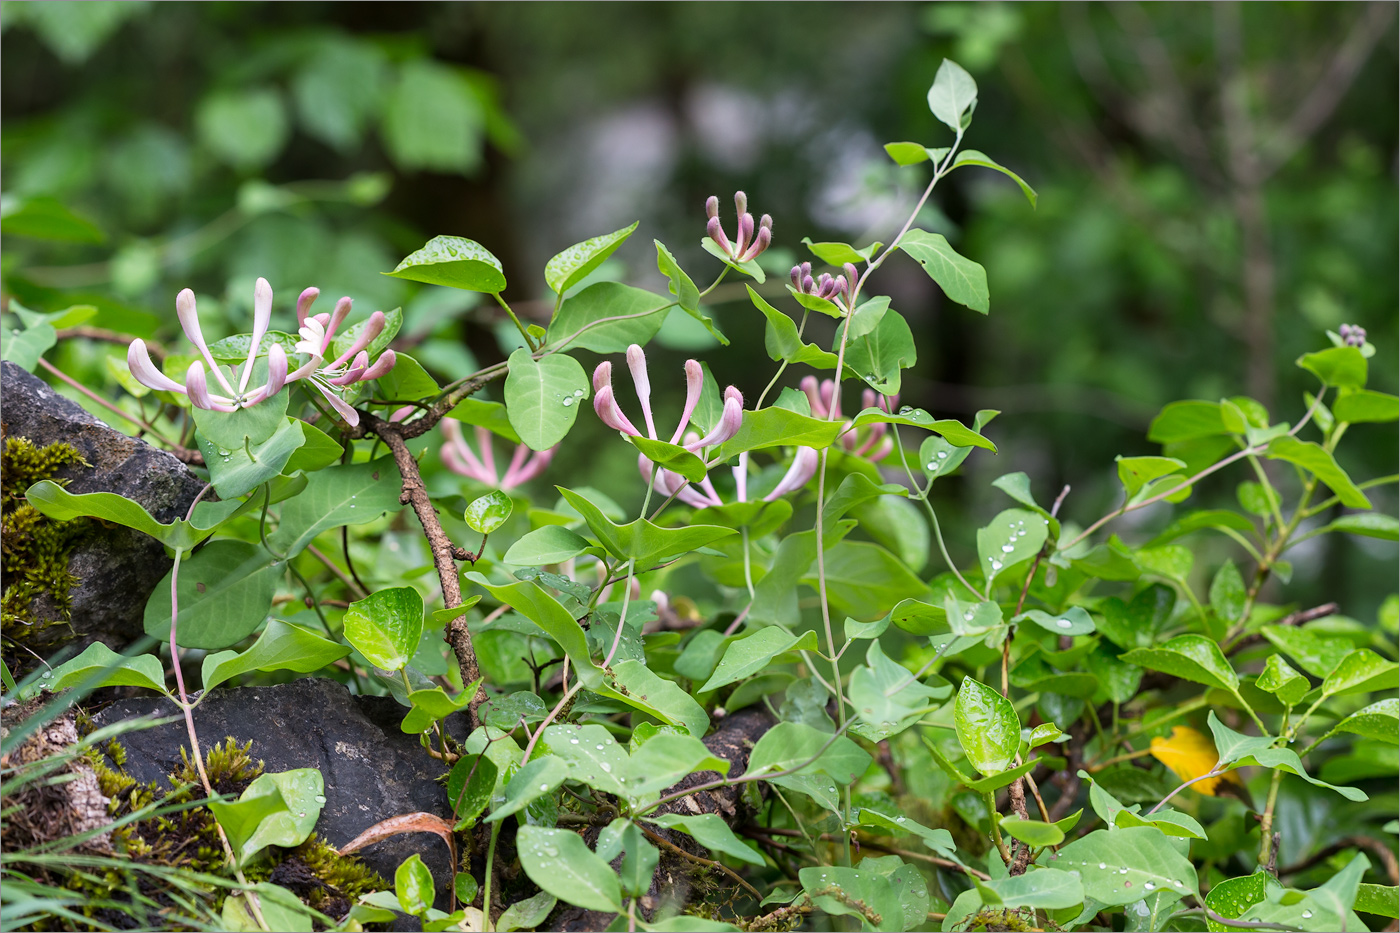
(459, 457)
(605, 403)
(746, 245)
(870, 441)
(316, 334)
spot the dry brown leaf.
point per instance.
(409, 823)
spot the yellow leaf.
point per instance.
(1191, 754)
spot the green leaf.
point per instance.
(225, 591)
(557, 622)
(349, 494)
(1171, 822)
(838, 254)
(246, 425)
(1282, 681)
(642, 689)
(109, 668)
(864, 578)
(777, 427)
(1380, 720)
(1361, 671)
(988, 728)
(666, 758)
(413, 884)
(281, 647)
(1136, 472)
(454, 262)
(55, 502)
(1317, 654)
(606, 317)
(527, 914)
(24, 348)
(1196, 521)
(1185, 421)
(782, 342)
(569, 267)
(543, 397)
(878, 357)
(641, 540)
(1367, 406)
(1343, 367)
(244, 128)
(1366, 524)
(316, 452)
(469, 788)
(487, 513)
(537, 777)
(790, 745)
(955, 432)
(672, 457)
(1233, 896)
(1013, 536)
(1378, 899)
(888, 698)
(560, 862)
(237, 471)
(552, 544)
(953, 93)
(683, 288)
(903, 154)
(752, 269)
(1239, 750)
(597, 759)
(710, 830)
(45, 218)
(1190, 657)
(939, 840)
(938, 458)
(275, 809)
(433, 704)
(1034, 833)
(1117, 866)
(1073, 621)
(973, 157)
(868, 895)
(489, 415)
(1227, 593)
(961, 279)
(1038, 888)
(386, 626)
(1318, 461)
(752, 653)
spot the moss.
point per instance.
(33, 549)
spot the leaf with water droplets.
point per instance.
(569, 267)
(489, 512)
(1073, 621)
(1121, 866)
(1013, 536)
(542, 400)
(560, 862)
(537, 777)
(455, 262)
(987, 726)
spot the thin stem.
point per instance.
(143, 425)
(1266, 822)
(486, 885)
(708, 863)
(783, 366)
(524, 334)
(990, 798)
(933, 516)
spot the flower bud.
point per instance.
(276, 370)
(745, 235)
(741, 203)
(808, 285)
(712, 207)
(386, 362)
(765, 238)
(716, 232)
(796, 276)
(304, 303)
(138, 358)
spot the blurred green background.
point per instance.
(1217, 188)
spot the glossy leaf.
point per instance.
(386, 626)
(1185, 421)
(988, 728)
(939, 840)
(413, 884)
(455, 262)
(752, 653)
(316, 452)
(793, 745)
(1282, 681)
(281, 647)
(682, 287)
(1121, 866)
(641, 688)
(1361, 671)
(1316, 460)
(543, 397)
(554, 620)
(1012, 536)
(1190, 657)
(1073, 621)
(569, 267)
(879, 357)
(237, 471)
(1033, 833)
(1344, 367)
(782, 341)
(469, 788)
(537, 777)
(552, 544)
(961, 279)
(1367, 406)
(1380, 720)
(560, 862)
(432, 704)
(246, 425)
(527, 914)
(275, 809)
(672, 457)
(955, 432)
(487, 513)
(777, 427)
(641, 540)
(866, 895)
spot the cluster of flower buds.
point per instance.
(316, 335)
(871, 441)
(823, 287)
(1353, 335)
(525, 464)
(748, 244)
(605, 404)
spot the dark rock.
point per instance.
(116, 567)
(371, 769)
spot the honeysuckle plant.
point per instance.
(825, 713)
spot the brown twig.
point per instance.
(1293, 618)
(110, 336)
(415, 494)
(699, 860)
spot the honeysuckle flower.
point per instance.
(605, 403)
(457, 454)
(823, 287)
(747, 245)
(871, 441)
(316, 333)
(799, 472)
(1353, 335)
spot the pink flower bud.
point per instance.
(610, 413)
(745, 236)
(763, 241)
(373, 327)
(386, 362)
(741, 203)
(808, 285)
(276, 370)
(304, 302)
(198, 390)
(262, 317)
(637, 363)
(841, 285)
(188, 313)
(729, 421)
(808, 385)
(712, 207)
(602, 376)
(796, 276)
(349, 415)
(353, 374)
(803, 468)
(852, 274)
(694, 385)
(138, 358)
(716, 232)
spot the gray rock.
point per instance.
(117, 568)
(371, 769)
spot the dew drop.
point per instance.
(899, 819)
(1127, 884)
(1177, 883)
(600, 748)
(1122, 871)
(46, 675)
(1064, 623)
(320, 798)
(1007, 548)
(573, 741)
(607, 768)
(551, 851)
(568, 400)
(996, 565)
(578, 393)
(943, 455)
(932, 465)
(544, 787)
(967, 616)
(1307, 915)
(1103, 865)
(301, 815)
(1148, 885)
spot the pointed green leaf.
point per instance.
(386, 626)
(552, 544)
(455, 262)
(961, 279)
(536, 778)
(1013, 536)
(752, 653)
(1316, 460)
(1117, 866)
(281, 647)
(109, 668)
(987, 725)
(225, 590)
(973, 157)
(560, 862)
(952, 94)
(1336, 366)
(569, 267)
(710, 830)
(606, 317)
(543, 397)
(348, 494)
(641, 540)
(55, 502)
(489, 512)
(1190, 657)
